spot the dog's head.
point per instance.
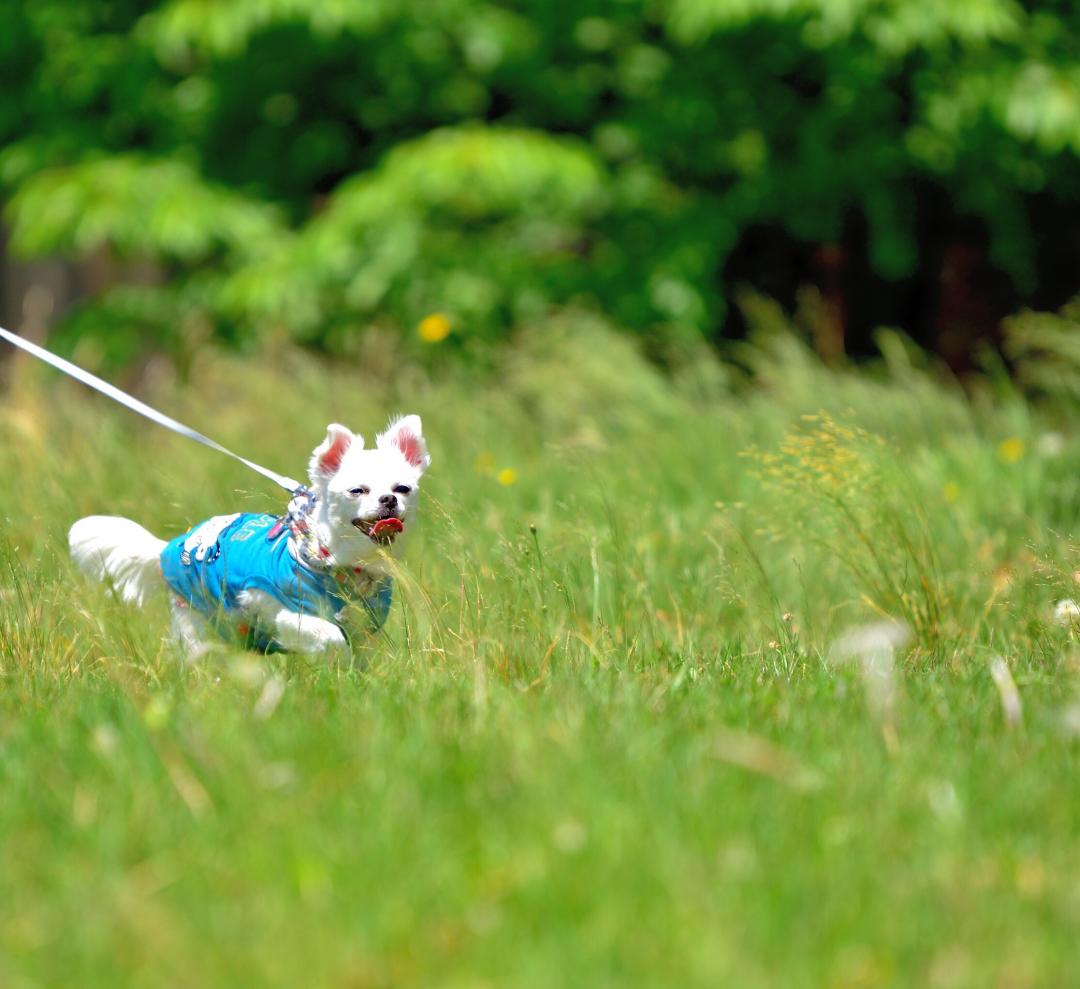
(367, 496)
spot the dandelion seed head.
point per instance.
(1051, 445)
(1070, 720)
(1067, 612)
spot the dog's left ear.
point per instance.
(407, 436)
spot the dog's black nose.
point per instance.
(389, 500)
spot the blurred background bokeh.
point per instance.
(448, 171)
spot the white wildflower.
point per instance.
(1011, 705)
(1070, 720)
(272, 692)
(872, 648)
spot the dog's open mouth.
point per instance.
(380, 530)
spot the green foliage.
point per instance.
(895, 27)
(314, 165)
(137, 207)
(478, 221)
(1044, 349)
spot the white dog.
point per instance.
(280, 583)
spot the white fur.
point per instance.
(295, 633)
(351, 483)
(119, 551)
(341, 465)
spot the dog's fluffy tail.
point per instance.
(120, 552)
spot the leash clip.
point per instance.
(300, 506)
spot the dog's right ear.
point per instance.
(326, 457)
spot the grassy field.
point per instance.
(608, 737)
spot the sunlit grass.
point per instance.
(605, 738)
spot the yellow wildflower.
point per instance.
(506, 476)
(951, 492)
(1011, 450)
(434, 328)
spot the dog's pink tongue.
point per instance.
(387, 525)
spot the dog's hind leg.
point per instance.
(190, 631)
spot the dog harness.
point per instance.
(212, 564)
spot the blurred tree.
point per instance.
(309, 167)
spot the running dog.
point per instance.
(284, 583)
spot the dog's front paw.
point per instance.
(305, 633)
(327, 639)
(290, 630)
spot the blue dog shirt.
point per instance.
(210, 565)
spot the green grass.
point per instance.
(601, 742)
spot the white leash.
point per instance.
(142, 408)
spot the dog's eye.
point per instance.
(360, 491)
(402, 489)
